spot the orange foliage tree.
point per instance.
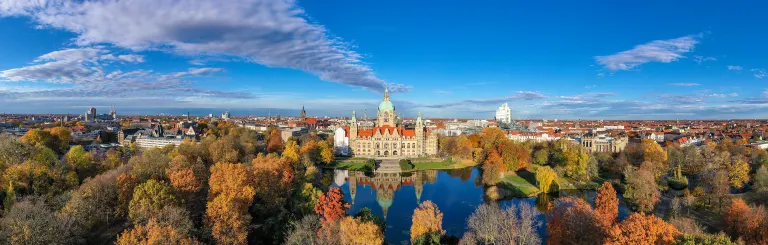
(273, 179)
(426, 219)
(275, 143)
(572, 220)
(231, 193)
(153, 233)
(745, 222)
(642, 229)
(606, 205)
(492, 168)
(356, 232)
(125, 185)
(331, 206)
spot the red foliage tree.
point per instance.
(606, 205)
(331, 206)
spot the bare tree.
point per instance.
(490, 224)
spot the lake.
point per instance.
(456, 192)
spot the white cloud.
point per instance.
(701, 59)
(664, 51)
(758, 73)
(735, 68)
(684, 84)
(438, 91)
(274, 33)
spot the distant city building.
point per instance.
(90, 115)
(226, 116)
(341, 142)
(533, 136)
(504, 114)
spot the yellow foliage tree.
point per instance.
(545, 176)
(273, 176)
(426, 219)
(356, 232)
(292, 152)
(738, 173)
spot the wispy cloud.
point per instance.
(758, 73)
(684, 84)
(664, 51)
(735, 68)
(271, 33)
(701, 59)
(438, 91)
(519, 95)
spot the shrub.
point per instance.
(406, 164)
(677, 183)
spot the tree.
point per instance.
(292, 152)
(491, 224)
(655, 155)
(275, 142)
(40, 137)
(641, 229)
(738, 173)
(310, 151)
(326, 152)
(125, 185)
(62, 137)
(32, 222)
(153, 233)
(746, 222)
(356, 232)
(331, 206)
(427, 219)
(687, 226)
(606, 205)
(545, 177)
(366, 215)
(81, 161)
(225, 150)
(150, 163)
(273, 176)
(464, 148)
(703, 239)
(641, 190)
(304, 232)
(761, 178)
(231, 193)
(572, 220)
(149, 198)
(93, 204)
(541, 156)
(492, 168)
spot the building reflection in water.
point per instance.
(385, 184)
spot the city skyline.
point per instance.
(600, 60)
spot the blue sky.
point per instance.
(568, 60)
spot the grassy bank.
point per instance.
(519, 185)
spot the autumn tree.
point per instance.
(641, 190)
(356, 232)
(125, 185)
(747, 223)
(761, 179)
(655, 156)
(642, 229)
(572, 220)
(738, 173)
(149, 198)
(225, 150)
(153, 233)
(305, 231)
(310, 152)
(331, 206)
(326, 152)
(81, 161)
(231, 193)
(61, 136)
(273, 176)
(464, 148)
(275, 143)
(31, 221)
(292, 152)
(541, 156)
(491, 137)
(492, 168)
(152, 162)
(545, 177)
(427, 219)
(606, 205)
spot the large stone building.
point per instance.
(603, 143)
(388, 138)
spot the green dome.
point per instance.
(386, 105)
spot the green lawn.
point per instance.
(447, 164)
(348, 164)
(519, 186)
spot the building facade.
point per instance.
(388, 138)
(601, 143)
(504, 114)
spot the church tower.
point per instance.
(386, 115)
(303, 114)
(419, 136)
(353, 129)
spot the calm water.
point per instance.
(457, 193)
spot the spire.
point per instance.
(418, 119)
(354, 118)
(386, 93)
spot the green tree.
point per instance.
(10, 197)
(81, 161)
(149, 199)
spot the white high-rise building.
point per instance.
(90, 115)
(504, 114)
